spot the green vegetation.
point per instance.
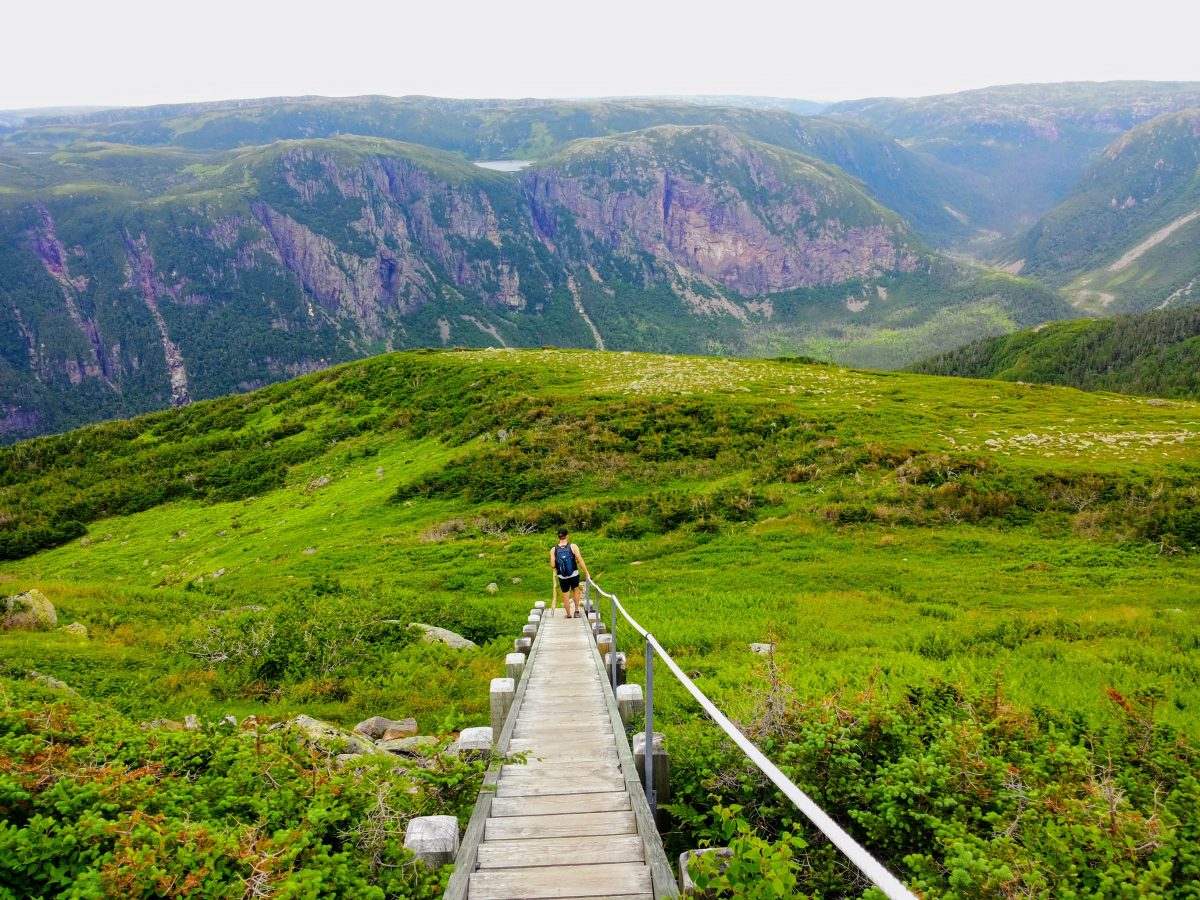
(1157, 353)
(93, 806)
(982, 594)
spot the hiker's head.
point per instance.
(562, 533)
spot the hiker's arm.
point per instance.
(582, 564)
(552, 559)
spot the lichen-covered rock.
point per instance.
(30, 611)
(431, 634)
(328, 738)
(418, 745)
(51, 682)
(161, 725)
(377, 727)
(76, 628)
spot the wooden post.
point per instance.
(514, 665)
(604, 645)
(476, 743)
(620, 670)
(687, 887)
(432, 839)
(629, 702)
(541, 604)
(662, 764)
(501, 698)
(534, 620)
(529, 631)
(523, 645)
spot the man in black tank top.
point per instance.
(567, 562)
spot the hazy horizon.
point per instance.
(141, 53)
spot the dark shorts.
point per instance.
(568, 584)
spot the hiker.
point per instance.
(566, 561)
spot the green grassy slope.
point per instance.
(1157, 353)
(937, 544)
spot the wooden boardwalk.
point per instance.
(572, 822)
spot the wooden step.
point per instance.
(610, 880)
(511, 828)
(576, 851)
(551, 804)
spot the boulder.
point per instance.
(161, 725)
(328, 738)
(402, 729)
(49, 681)
(76, 628)
(431, 634)
(378, 727)
(419, 745)
(762, 649)
(493, 587)
(30, 611)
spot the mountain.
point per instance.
(1156, 354)
(1128, 236)
(135, 277)
(1027, 143)
(917, 187)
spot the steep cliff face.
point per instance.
(752, 218)
(261, 263)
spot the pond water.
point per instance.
(504, 165)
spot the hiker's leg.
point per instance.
(567, 602)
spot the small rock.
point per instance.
(517, 580)
(317, 483)
(161, 725)
(762, 649)
(191, 723)
(309, 551)
(53, 683)
(493, 588)
(328, 738)
(30, 611)
(418, 745)
(229, 720)
(403, 729)
(76, 628)
(434, 635)
(481, 556)
(379, 472)
(377, 727)
(252, 723)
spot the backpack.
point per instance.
(564, 561)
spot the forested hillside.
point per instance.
(1156, 354)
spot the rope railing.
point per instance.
(853, 851)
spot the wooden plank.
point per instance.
(580, 851)
(550, 804)
(535, 787)
(536, 883)
(560, 773)
(511, 828)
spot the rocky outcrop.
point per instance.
(328, 738)
(431, 634)
(30, 611)
(142, 276)
(751, 218)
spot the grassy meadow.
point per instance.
(894, 534)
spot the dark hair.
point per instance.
(562, 533)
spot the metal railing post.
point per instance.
(649, 746)
(613, 652)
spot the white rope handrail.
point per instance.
(855, 852)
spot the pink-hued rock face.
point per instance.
(769, 227)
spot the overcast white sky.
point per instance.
(138, 52)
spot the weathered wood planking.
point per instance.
(562, 825)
